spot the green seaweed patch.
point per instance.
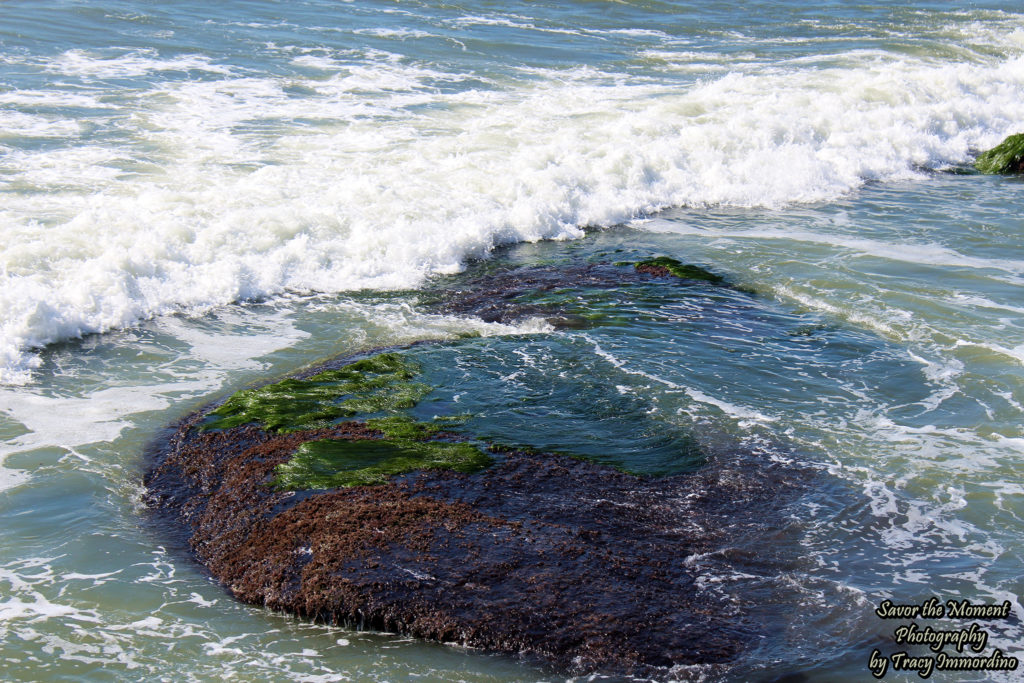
(404, 427)
(334, 463)
(686, 271)
(1006, 157)
(372, 385)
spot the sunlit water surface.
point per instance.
(215, 195)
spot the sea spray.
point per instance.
(375, 170)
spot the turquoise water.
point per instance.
(196, 197)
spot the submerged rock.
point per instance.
(512, 294)
(665, 265)
(541, 554)
(1006, 157)
(550, 292)
(404, 526)
(319, 495)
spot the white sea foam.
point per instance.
(225, 350)
(851, 313)
(74, 421)
(82, 418)
(1016, 353)
(10, 479)
(15, 123)
(51, 98)
(54, 624)
(127, 64)
(736, 411)
(400, 34)
(382, 172)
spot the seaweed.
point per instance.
(404, 427)
(334, 463)
(379, 384)
(1006, 157)
(371, 385)
(665, 265)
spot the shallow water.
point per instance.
(200, 191)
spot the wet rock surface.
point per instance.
(664, 266)
(576, 564)
(567, 562)
(509, 295)
(503, 296)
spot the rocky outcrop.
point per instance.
(1006, 157)
(321, 496)
(551, 292)
(573, 563)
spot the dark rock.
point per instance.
(549, 292)
(664, 266)
(544, 555)
(514, 294)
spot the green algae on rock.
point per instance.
(390, 523)
(372, 385)
(404, 427)
(377, 384)
(665, 265)
(336, 463)
(406, 446)
(1006, 157)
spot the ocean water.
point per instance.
(198, 196)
